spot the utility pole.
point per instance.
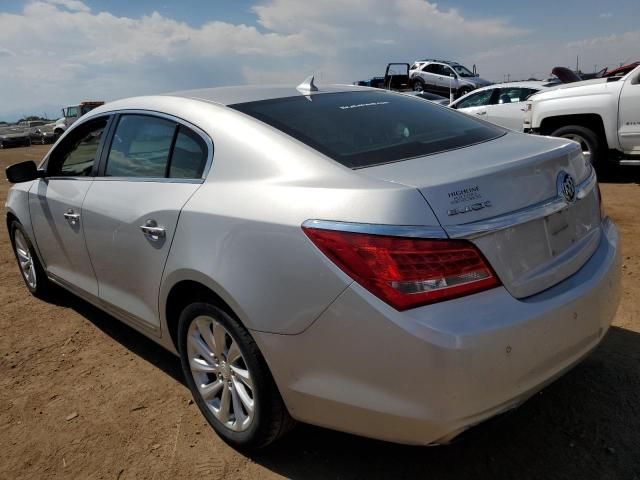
(508, 77)
(577, 64)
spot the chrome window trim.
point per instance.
(76, 178)
(518, 217)
(149, 179)
(154, 113)
(410, 231)
(44, 164)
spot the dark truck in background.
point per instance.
(396, 77)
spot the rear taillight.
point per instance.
(407, 272)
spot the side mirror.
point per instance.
(23, 172)
(476, 74)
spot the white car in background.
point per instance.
(502, 103)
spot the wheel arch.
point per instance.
(11, 217)
(185, 288)
(592, 121)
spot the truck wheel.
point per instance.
(418, 85)
(587, 138)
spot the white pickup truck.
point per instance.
(72, 113)
(603, 115)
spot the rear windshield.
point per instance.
(362, 129)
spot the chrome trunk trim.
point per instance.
(374, 229)
(518, 217)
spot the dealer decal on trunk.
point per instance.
(467, 194)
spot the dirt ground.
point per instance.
(83, 396)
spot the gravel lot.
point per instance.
(83, 396)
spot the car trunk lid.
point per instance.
(505, 195)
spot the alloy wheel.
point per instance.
(25, 260)
(220, 373)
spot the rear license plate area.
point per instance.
(560, 233)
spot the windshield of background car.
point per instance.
(462, 71)
(362, 129)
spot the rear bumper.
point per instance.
(424, 375)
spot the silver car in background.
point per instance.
(348, 257)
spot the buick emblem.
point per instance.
(566, 187)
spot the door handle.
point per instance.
(481, 113)
(152, 231)
(72, 217)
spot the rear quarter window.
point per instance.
(362, 129)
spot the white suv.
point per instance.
(438, 76)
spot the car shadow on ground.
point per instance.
(128, 337)
(619, 174)
(586, 425)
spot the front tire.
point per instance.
(229, 379)
(589, 141)
(463, 91)
(32, 272)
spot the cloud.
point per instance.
(606, 15)
(72, 5)
(60, 51)
(536, 59)
(5, 52)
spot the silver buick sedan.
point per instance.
(348, 257)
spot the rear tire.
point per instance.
(34, 276)
(590, 143)
(418, 85)
(253, 415)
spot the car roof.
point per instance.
(255, 93)
(180, 103)
(542, 85)
(431, 60)
(525, 84)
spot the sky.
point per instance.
(60, 52)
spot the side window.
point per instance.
(515, 94)
(140, 147)
(439, 69)
(76, 154)
(448, 71)
(189, 155)
(431, 68)
(478, 99)
(72, 112)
